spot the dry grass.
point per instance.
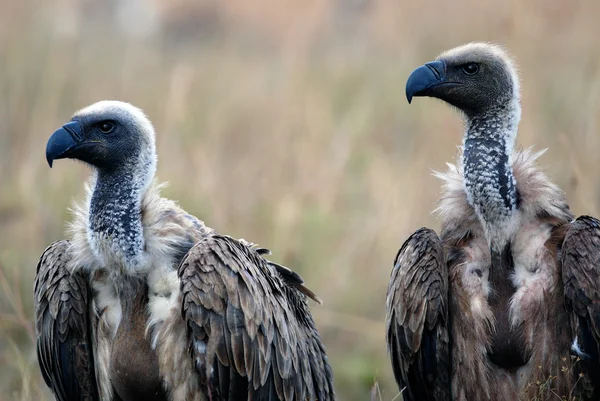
(546, 389)
(284, 123)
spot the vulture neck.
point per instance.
(487, 161)
(115, 229)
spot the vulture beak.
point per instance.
(425, 77)
(63, 141)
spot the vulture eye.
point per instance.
(106, 127)
(470, 68)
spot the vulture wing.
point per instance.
(63, 327)
(416, 321)
(581, 278)
(250, 330)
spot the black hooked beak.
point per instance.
(63, 141)
(425, 77)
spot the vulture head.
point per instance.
(117, 140)
(474, 78)
(108, 135)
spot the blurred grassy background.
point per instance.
(282, 122)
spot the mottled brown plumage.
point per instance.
(146, 302)
(245, 322)
(62, 305)
(523, 276)
(417, 318)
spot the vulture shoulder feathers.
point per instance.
(65, 352)
(417, 319)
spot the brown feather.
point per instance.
(266, 316)
(63, 326)
(581, 278)
(417, 318)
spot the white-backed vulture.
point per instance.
(505, 303)
(145, 302)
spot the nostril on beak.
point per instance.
(74, 129)
(438, 68)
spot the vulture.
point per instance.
(503, 304)
(143, 301)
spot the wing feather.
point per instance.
(580, 257)
(259, 338)
(417, 316)
(63, 327)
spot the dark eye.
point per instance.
(470, 68)
(106, 127)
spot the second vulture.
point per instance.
(505, 303)
(145, 302)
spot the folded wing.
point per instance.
(417, 319)
(63, 327)
(581, 278)
(250, 330)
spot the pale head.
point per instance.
(109, 135)
(475, 77)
